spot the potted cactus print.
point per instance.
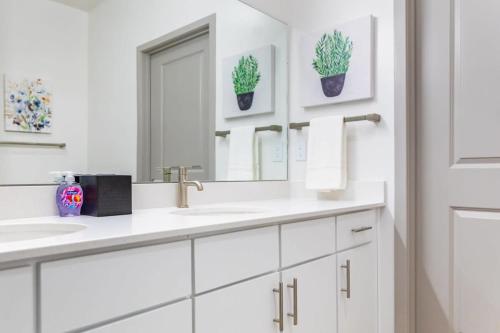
(246, 76)
(333, 55)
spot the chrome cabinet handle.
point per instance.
(295, 314)
(361, 229)
(347, 290)
(279, 320)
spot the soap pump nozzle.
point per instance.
(69, 177)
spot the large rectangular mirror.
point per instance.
(142, 87)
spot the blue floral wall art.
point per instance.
(28, 106)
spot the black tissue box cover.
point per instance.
(106, 195)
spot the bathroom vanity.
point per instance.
(300, 266)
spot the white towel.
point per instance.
(326, 154)
(244, 154)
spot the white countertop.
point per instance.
(159, 224)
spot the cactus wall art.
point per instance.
(337, 64)
(248, 83)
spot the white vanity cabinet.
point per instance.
(17, 303)
(296, 277)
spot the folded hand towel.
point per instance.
(243, 154)
(326, 154)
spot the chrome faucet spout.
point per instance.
(184, 184)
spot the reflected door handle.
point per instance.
(295, 314)
(347, 289)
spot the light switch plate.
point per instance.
(301, 150)
(278, 153)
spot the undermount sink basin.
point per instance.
(218, 211)
(20, 232)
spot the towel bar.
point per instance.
(273, 128)
(369, 117)
(33, 144)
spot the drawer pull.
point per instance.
(295, 314)
(347, 290)
(279, 320)
(361, 229)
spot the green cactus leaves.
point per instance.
(333, 54)
(246, 75)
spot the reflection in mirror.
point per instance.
(141, 88)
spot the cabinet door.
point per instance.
(315, 302)
(16, 300)
(248, 307)
(172, 318)
(357, 277)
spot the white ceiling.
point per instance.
(85, 5)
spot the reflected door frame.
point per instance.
(144, 53)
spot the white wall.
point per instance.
(41, 38)
(370, 148)
(116, 31)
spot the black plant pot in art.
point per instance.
(245, 101)
(333, 85)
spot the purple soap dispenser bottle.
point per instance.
(69, 196)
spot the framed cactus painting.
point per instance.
(248, 83)
(27, 105)
(336, 64)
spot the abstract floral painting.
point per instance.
(28, 106)
(336, 65)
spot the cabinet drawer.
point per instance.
(355, 229)
(228, 258)
(307, 240)
(173, 318)
(88, 290)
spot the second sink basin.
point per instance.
(218, 211)
(27, 231)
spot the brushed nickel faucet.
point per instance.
(182, 200)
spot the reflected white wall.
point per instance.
(42, 38)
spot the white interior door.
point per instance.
(181, 124)
(315, 304)
(458, 166)
(357, 285)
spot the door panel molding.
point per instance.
(478, 144)
(475, 275)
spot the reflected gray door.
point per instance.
(180, 120)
